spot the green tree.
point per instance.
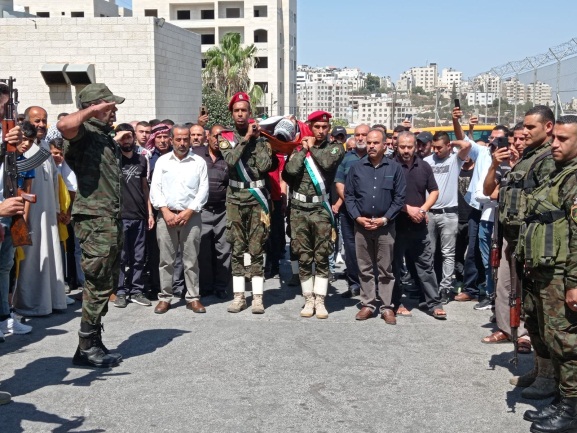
(339, 122)
(419, 90)
(217, 106)
(228, 66)
(372, 83)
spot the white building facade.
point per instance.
(270, 25)
(73, 9)
(157, 69)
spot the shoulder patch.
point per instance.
(224, 144)
(334, 150)
(574, 213)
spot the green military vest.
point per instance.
(544, 236)
(514, 188)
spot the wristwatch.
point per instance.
(385, 221)
(422, 211)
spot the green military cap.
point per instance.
(96, 91)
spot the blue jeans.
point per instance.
(485, 234)
(6, 262)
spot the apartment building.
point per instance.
(376, 108)
(329, 95)
(72, 9)
(480, 98)
(450, 77)
(539, 93)
(271, 25)
(426, 77)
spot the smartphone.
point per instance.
(477, 113)
(501, 142)
(202, 110)
(457, 104)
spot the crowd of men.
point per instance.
(151, 200)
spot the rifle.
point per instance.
(495, 257)
(19, 228)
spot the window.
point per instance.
(43, 14)
(77, 14)
(151, 12)
(260, 12)
(260, 36)
(182, 15)
(207, 14)
(263, 85)
(232, 13)
(261, 62)
(207, 39)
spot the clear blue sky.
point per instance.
(386, 38)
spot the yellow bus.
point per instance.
(481, 132)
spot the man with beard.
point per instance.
(411, 227)
(137, 218)
(347, 223)
(214, 255)
(178, 190)
(424, 144)
(94, 156)
(310, 171)
(41, 289)
(249, 160)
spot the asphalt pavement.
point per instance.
(277, 372)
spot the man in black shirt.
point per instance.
(374, 195)
(214, 256)
(411, 227)
(137, 218)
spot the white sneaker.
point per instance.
(14, 326)
(69, 300)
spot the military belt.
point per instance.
(546, 217)
(246, 185)
(310, 199)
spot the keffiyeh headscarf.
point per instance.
(157, 129)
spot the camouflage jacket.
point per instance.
(94, 157)
(568, 198)
(256, 156)
(541, 171)
(327, 157)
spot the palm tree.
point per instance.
(228, 65)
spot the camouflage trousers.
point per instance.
(311, 240)
(247, 228)
(559, 329)
(101, 244)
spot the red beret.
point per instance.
(319, 116)
(240, 96)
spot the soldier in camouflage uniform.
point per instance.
(309, 172)
(92, 151)
(548, 246)
(534, 167)
(249, 159)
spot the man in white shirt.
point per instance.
(179, 189)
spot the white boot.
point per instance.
(257, 292)
(239, 302)
(321, 288)
(309, 308)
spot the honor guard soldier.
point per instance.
(309, 172)
(249, 159)
(548, 247)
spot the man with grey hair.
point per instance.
(179, 190)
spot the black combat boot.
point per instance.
(89, 353)
(563, 420)
(118, 356)
(544, 412)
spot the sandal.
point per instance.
(496, 337)
(403, 312)
(439, 313)
(524, 345)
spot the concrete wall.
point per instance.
(157, 69)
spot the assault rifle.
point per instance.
(19, 228)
